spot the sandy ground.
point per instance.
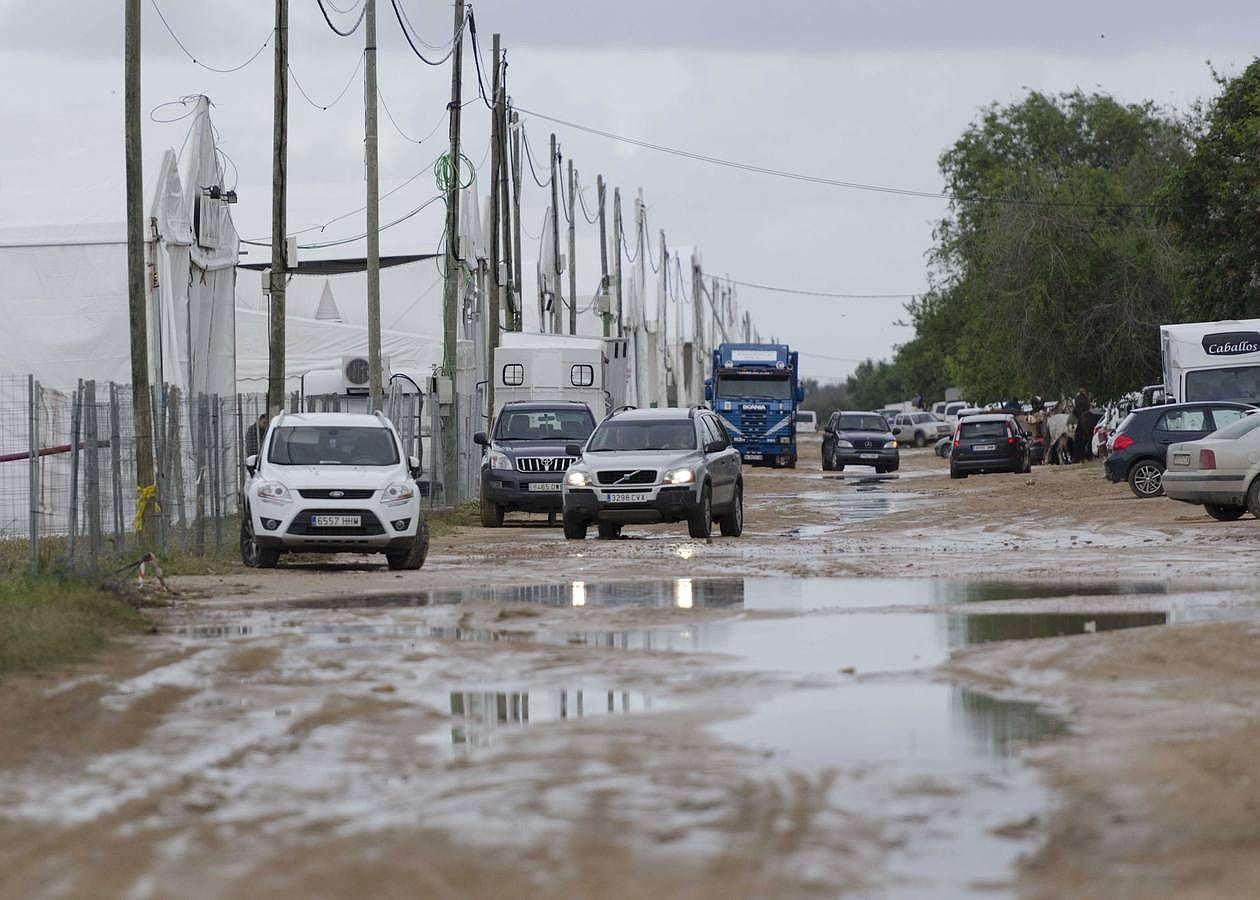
(285, 735)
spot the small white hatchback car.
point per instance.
(332, 483)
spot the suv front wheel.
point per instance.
(574, 528)
(252, 555)
(413, 557)
(700, 523)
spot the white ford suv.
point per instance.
(332, 483)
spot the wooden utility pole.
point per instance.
(556, 320)
(571, 265)
(450, 304)
(496, 286)
(698, 344)
(605, 314)
(516, 224)
(279, 202)
(512, 312)
(618, 238)
(137, 294)
(372, 165)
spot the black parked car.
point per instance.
(989, 443)
(1139, 448)
(524, 458)
(859, 439)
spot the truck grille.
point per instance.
(628, 476)
(544, 463)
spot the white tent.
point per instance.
(63, 289)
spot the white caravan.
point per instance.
(561, 367)
(1211, 361)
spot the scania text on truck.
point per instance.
(755, 388)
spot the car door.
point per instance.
(1179, 425)
(724, 465)
(899, 429)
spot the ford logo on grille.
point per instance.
(336, 494)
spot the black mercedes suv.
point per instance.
(524, 458)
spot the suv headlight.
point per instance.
(892, 444)
(397, 493)
(844, 443)
(679, 476)
(500, 460)
(577, 478)
(274, 492)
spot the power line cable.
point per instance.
(809, 293)
(338, 31)
(404, 23)
(192, 56)
(481, 84)
(591, 220)
(529, 157)
(344, 12)
(833, 182)
(357, 237)
(345, 88)
(402, 8)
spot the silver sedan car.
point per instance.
(1220, 471)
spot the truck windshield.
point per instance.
(544, 425)
(322, 445)
(755, 387)
(1242, 383)
(644, 435)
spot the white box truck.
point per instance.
(561, 367)
(1211, 361)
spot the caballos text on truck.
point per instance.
(755, 388)
(1211, 361)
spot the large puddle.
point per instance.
(852, 659)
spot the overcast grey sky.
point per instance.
(859, 90)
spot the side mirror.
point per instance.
(708, 390)
(573, 449)
(480, 438)
(413, 463)
(715, 446)
(800, 393)
(251, 463)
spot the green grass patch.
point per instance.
(47, 621)
(444, 521)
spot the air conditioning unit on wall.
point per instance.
(356, 374)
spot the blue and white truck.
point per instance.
(755, 389)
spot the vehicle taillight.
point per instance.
(1207, 459)
(1121, 442)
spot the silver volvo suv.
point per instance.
(643, 466)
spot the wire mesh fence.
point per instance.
(68, 496)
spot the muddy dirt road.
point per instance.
(909, 687)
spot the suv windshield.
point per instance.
(675, 434)
(332, 445)
(862, 423)
(754, 387)
(544, 425)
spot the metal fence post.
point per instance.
(115, 468)
(92, 485)
(76, 419)
(32, 391)
(174, 440)
(199, 456)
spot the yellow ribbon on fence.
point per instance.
(146, 502)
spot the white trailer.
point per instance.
(561, 367)
(1211, 360)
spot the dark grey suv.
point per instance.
(655, 465)
(859, 439)
(525, 457)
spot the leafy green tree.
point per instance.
(1214, 199)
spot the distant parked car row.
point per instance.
(1139, 448)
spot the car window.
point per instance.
(831, 423)
(1244, 425)
(720, 430)
(923, 417)
(979, 430)
(1183, 420)
(710, 431)
(862, 423)
(644, 434)
(332, 445)
(1223, 415)
(544, 424)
